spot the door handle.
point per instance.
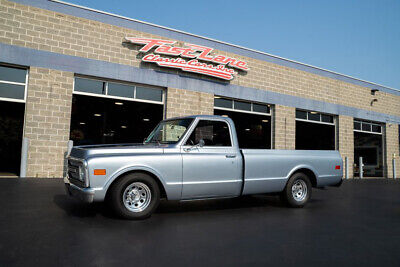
(230, 156)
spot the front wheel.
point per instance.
(135, 196)
(297, 191)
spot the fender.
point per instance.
(303, 166)
(124, 170)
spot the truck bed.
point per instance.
(267, 170)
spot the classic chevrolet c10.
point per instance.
(195, 157)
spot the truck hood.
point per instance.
(85, 152)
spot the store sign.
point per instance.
(191, 58)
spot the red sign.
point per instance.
(189, 58)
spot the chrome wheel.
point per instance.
(136, 197)
(299, 190)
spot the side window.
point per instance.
(214, 133)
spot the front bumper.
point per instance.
(83, 194)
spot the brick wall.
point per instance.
(284, 127)
(56, 32)
(346, 142)
(47, 121)
(392, 147)
(183, 102)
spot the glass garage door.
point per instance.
(368, 144)
(315, 131)
(105, 112)
(252, 121)
(12, 109)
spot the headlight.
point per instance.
(82, 173)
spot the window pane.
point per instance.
(214, 133)
(12, 74)
(149, 93)
(116, 89)
(261, 108)
(366, 127)
(301, 114)
(12, 91)
(89, 86)
(242, 105)
(357, 125)
(223, 103)
(327, 118)
(313, 116)
(376, 128)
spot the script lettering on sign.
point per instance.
(191, 58)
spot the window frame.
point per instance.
(193, 127)
(16, 83)
(251, 111)
(370, 124)
(106, 82)
(320, 117)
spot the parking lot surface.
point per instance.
(356, 224)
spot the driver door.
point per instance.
(213, 170)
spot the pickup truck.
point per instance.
(190, 158)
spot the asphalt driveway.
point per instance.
(356, 224)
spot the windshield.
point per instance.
(169, 132)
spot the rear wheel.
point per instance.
(135, 196)
(297, 191)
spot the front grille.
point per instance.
(73, 172)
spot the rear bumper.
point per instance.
(339, 184)
(83, 194)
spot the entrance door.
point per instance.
(11, 125)
(368, 144)
(214, 169)
(12, 108)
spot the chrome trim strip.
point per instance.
(264, 179)
(204, 182)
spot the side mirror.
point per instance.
(201, 143)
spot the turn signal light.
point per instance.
(337, 167)
(99, 172)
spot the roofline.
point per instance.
(220, 42)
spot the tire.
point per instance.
(297, 191)
(134, 196)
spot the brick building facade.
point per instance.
(57, 43)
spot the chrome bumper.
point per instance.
(83, 194)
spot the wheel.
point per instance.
(297, 191)
(134, 196)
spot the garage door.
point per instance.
(368, 144)
(252, 121)
(12, 109)
(315, 131)
(105, 112)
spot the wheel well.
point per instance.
(310, 174)
(163, 194)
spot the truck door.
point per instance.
(213, 168)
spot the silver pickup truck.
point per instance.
(195, 157)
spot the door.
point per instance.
(214, 169)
